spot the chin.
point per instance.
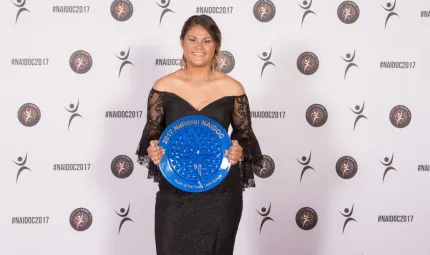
(199, 63)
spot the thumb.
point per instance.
(235, 142)
(153, 143)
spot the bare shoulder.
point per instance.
(166, 82)
(232, 86)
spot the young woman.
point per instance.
(205, 222)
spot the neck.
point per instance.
(198, 73)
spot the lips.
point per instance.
(199, 54)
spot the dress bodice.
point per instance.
(165, 107)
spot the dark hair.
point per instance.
(208, 24)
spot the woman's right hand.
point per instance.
(155, 152)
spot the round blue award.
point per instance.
(194, 159)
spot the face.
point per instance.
(198, 46)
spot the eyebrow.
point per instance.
(208, 37)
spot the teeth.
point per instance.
(198, 54)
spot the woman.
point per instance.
(206, 222)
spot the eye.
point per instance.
(208, 41)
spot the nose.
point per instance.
(199, 45)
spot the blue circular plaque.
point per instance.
(194, 159)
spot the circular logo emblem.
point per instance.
(81, 62)
(306, 218)
(122, 166)
(29, 114)
(316, 115)
(400, 116)
(195, 159)
(81, 219)
(267, 169)
(346, 167)
(348, 12)
(264, 10)
(226, 62)
(308, 63)
(121, 10)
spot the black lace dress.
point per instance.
(207, 222)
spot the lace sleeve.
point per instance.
(154, 126)
(243, 133)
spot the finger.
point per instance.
(157, 158)
(151, 148)
(235, 142)
(233, 158)
(160, 153)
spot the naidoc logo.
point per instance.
(21, 163)
(81, 62)
(389, 7)
(21, 8)
(264, 10)
(306, 6)
(266, 58)
(349, 58)
(121, 10)
(305, 163)
(400, 116)
(348, 215)
(306, 218)
(122, 166)
(267, 168)
(29, 115)
(316, 115)
(81, 219)
(388, 166)
(165, 6)
(124, 215)
(308, 63)
(348, 12)
(265, 214)
(346, 167)
(359, 112)
(124, 58)
(73, 110)
(226, 62)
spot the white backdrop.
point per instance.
(92, 140)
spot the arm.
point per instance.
(243, 133)
(155, 124)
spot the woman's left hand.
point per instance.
(234, 153)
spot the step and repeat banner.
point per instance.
(338, 93)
